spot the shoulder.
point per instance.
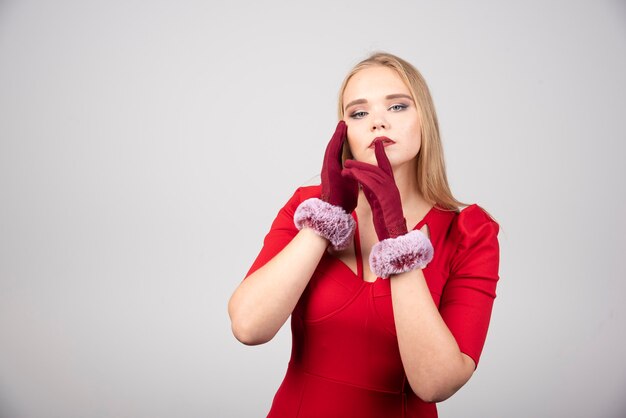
(463, 222)
(474, 234)
(471, 218)
(283, 228)
(303, 193)
(308, 192)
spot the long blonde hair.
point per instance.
(431, 168)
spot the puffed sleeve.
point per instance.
(468, 295)
(281, 233)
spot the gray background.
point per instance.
(146, 147)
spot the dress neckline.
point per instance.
(357, 242)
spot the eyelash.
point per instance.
(402, 107)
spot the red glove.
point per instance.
(330, 216)
(381, 192)
(397, 251)
(336, 189)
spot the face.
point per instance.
(377, 103)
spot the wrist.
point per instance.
(326, 220)
(311, 235)
(401, 254)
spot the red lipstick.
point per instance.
(386, 141)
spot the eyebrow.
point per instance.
(390, 96)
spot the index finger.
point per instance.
(381, 158)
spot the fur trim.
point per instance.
(401, 254)
(328, 221)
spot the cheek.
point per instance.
(353, 149)
(354, 135)
(414, 132)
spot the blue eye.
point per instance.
(398, 107)
(358, 115)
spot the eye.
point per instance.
(398, 107)
(358, 115)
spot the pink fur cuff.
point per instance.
(403, 253)
(328, 221)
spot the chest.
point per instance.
(366, 239)
(343, 279)
(345, 293)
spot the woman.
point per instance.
(389, 285)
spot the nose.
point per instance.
(379, 123)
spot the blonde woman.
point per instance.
(389, 285)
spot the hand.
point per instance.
(381, 192)
(397, 251)
(337, 189)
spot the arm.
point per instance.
(433, 362)
(264, 300)
(292, 250)
(439, 346)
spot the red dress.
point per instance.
(345, 360)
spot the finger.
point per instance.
(368, 183)
(340, 132)
(344, 139)
(371, 180)
(370, 168)
(381, 158)
(333, 150)
(379, 176)
(360, 165)
(347, 173)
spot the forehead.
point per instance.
(372, 83)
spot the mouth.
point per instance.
(386, 141)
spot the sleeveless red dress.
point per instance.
(345, 361)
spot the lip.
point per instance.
(386, 141)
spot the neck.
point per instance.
(406, 181)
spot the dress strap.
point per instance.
(357, 248)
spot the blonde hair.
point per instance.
(431, 168)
